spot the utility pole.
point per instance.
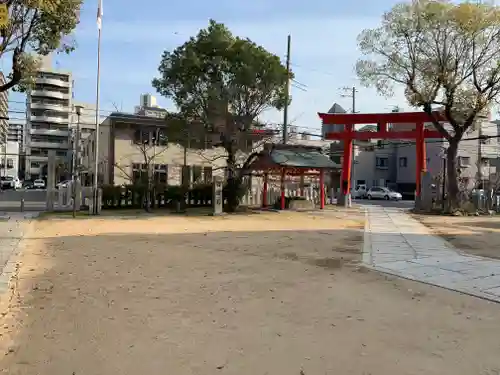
(287, 91)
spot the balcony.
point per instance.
(44, 118)
(54, 132)
(50, 94)
(51, 106)
(52, 81)
(490, 150)
(46, 144)
(41, 158)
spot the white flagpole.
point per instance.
(97, 117)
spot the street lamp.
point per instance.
(78, 110)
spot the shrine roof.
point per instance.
(294, 157)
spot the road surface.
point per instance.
(34, 200)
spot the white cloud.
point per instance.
(323, 49)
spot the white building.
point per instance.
(49, 105)
(82, 126)
(15, 134)
(9, 165)
(148, 100)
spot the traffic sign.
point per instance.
(4, 15)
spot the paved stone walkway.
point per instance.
(397, 244)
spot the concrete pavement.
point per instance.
(397, 244)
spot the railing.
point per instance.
(50, 94)
(52, 81)
(128, 197)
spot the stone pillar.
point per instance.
(51, 180)
(77, 186)
(217, 198)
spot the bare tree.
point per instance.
(445, 55)
(149, 153)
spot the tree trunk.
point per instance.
(233, 183)
(452, 175)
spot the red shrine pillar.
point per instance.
(283, 189)
(264, 191)
(421, 158)
(347, 160)
(321, 189)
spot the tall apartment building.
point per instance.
(15, 133)
(4, 112)
(49, 106)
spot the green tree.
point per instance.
(446, 56)
(223, 82)
(35, 27)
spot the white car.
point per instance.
(63, 184)
(39, 184)
(383, 193)
(359, 192)
(9, 182)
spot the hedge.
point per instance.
(134, 196)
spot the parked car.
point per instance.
(9, 182)
(63, 184)
(39, 184)
(28, 185)
(383, 193)
(359, 192)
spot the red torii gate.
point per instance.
(382, 120)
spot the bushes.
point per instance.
(134, 196)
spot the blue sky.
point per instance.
(134, 35)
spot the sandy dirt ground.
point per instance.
(477, 235)
(276, 294)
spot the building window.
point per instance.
(464, 161)
(160, 174)
(382, 162)
(403, 162)
(10, 163)
(160, 137)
